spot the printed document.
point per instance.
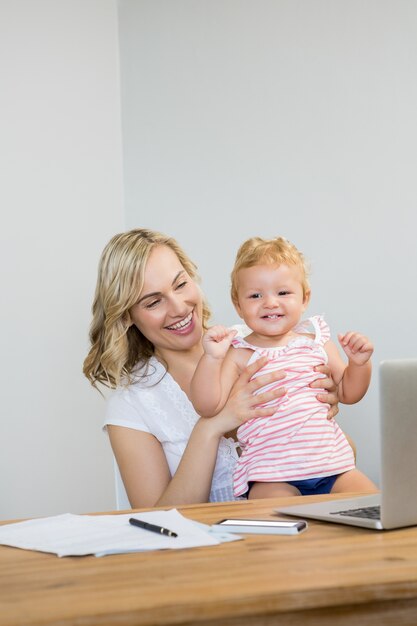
(77, 535)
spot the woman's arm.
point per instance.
(145, 472)
(142, 462)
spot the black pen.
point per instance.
(152, 527)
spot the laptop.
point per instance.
(396, 505)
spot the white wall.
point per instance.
(61, 200)
(283, 117)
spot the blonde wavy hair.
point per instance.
(116, 346)
(276, 251)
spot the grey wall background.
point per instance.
(61, 200)
(239, 118)
(245, 118)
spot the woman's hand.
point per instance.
(242, 405)
(329, 396)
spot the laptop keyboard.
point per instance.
(368, 512)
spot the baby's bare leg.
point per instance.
(353, 480)
(272, 490)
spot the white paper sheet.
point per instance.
(77, 535)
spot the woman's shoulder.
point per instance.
(146, 374)
(131, 404)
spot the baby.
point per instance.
(297, 450)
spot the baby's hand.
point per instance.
(217, 340)
(357, 347)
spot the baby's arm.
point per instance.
(353, 379)
(216, 372)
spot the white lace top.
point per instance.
(158, 405)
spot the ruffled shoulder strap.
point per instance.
(241, 329)
(240, 342)
(317, 326)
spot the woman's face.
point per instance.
(169, 308)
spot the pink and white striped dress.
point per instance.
(298, 441)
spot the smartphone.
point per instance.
(261, 527)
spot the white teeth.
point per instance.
(182, 323)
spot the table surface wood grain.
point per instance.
(330, 574)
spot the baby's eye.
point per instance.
(283, 293)
(255, 295)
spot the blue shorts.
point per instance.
(313, 486)
(309, 486)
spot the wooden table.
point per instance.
(330, 574)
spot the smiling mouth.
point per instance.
(182, 324)
(275, 316)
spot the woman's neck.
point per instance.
(181, 364)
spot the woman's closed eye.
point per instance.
(181, 284)
(152, 304)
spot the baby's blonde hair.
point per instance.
(277, 251)
(116, 346)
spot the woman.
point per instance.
(148, 319)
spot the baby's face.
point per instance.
(271, 298)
